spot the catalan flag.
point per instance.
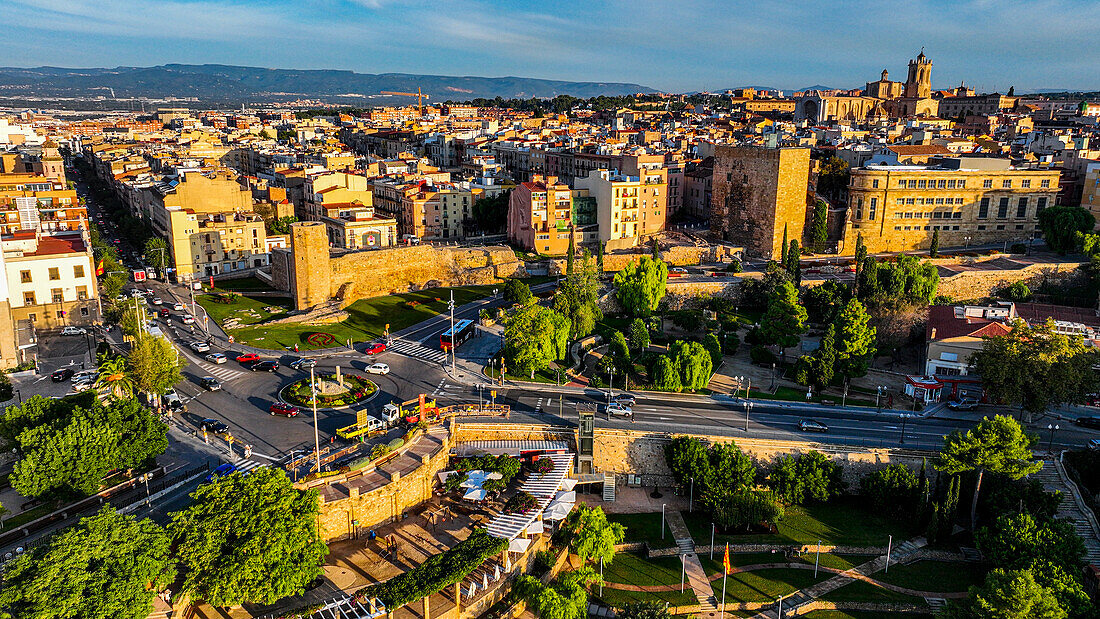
(726, 559)
(100, 268)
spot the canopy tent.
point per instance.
(519, 545)
(566, 497)
(568, 483)
(475, 494)
(474, 479)
(443, 475)
(535, 528)
(558, 511)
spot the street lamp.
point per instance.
(748, 408)
(904, 418)
(610, 388)
(878, 398)
(967, 241)
(1053, 428)
(773, 377)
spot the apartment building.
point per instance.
(355, 226)
(454, 208)
(325, 189)
(50, 279)
(1090, 190)
(968, 200)
(540, 215)
(33, 202)
(204, 244)
(628, 207)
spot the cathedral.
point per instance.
(880, 99)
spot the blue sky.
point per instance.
(676, 45)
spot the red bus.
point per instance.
(456, 335)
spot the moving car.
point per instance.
(210, 383)
(378, 368)
(186, 319)
(74, 331)
(221, 471)
(157, 301)
(61, 375)
(178, 307)
(216, 357)
(173, 402)
(812, 425)
(284, 410)
(626, 399)
(164, 313)
(199, 346)
(375, 348)
(1088, 422)
(213, 425)
(264, 366)
(247, 357)
(619, 410)
(303, 363)
(962, 405)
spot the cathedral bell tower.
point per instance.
(919, 83)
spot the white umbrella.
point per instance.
(535, 528)
(472, 591)
(496, 571)
(494, 476)
(485, 580)
(566, 497)
(558, 511)
(474, 494)
(443, 475)
(568, 483)
(519, 545)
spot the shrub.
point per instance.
(542, 465)
(688, 320)
(396, 443)
(809, 477)
(762, 356)
(891, 490)
(520, 502)
(734, 267)
(753, 337)
(1017, 248)
(359, 463)
(730, 343)
(544, 560)
(379, 451)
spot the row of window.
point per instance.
(929, 215)
(33, 316)
(54, 274)
(1003, 205)
(56, 295)
(904, 201)
(931, 227)
(944, 183)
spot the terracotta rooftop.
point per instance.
(942, 321)
(68, 244)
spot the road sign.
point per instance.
(139, 275)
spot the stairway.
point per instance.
(608, 487)
(1072, 507)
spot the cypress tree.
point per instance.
(569, 257)
(656, 250)
(934, 248)
(783, 248)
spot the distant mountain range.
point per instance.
(212, 82)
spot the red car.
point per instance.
(286, 410)
(248, 357)
(375, 348)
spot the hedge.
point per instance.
(437, 572)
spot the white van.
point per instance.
(375, 424)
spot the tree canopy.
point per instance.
(1061, 224)
(492, 213)
(785, 318)
(855, 341)
(594, 538)
(517, 291)
(833, 179)
(248, 538)
(155, 364)
(807, 477)
(108, 565)
(819, 231)
(577, 298)
(534, 337)
(641, 286)
(1007, 594)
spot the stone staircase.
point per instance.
(796, 600)
(1053, 477)
(693, 569)
(608, 487)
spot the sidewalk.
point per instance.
(696, 575)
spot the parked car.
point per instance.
(178, 307)
(173, 402)
(165, 314)
(626, 399)
(303, 363)
(85, 376)
(1094, 443)
(74, 331)
(962, 405)
(247, 357)
(80, 386)
(812, 425)
(619, 410)
(199, 346)
(210, 383)
(1088, 422)
(378, 368)
(282, 409)
(375, 348)
(265, 366)
(221, 471)
(216, 357)
(61, 375)
(213, 425)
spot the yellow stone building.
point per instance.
(969, 200)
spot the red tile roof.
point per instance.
(942, 321)
(68, 244)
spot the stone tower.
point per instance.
(310, 271)
(919, 83)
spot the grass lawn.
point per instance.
(860, 614)
(245, 284)
(542, 376)
(790, 394)
(842, 522)
(619, 598)
(938, 576)
(765, 585)
(860, 591)
(31, 514)
(367, 318)
(633, 569)
(245, 309)
(644, 528)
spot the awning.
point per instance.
(443, 475)
(568, 483)
(543, 488)
(519, 545)
(535, 528)
(566, 497)
(558, 511)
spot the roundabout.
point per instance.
(333, 391)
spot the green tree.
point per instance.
(157, 253)
(517, 291)
(656, 253)
(1035, 367)
(892, 490)
(1060, 225)
(997, 445)
(855, 341)
(694, 363)
(807, 477)
(823, 303)
(783, 249)
(534, 337)
(645, 609)
(70, 456)
(665, 375)
(714, 347)
(564, 598)
(833, 179)
(108, 565)
(793, 265)
(641, 286)
(860, 256)
(577, 298)
(1017, 541)
(155, 364)
(619, 350)
(639, 335)
(281, 225)
(492, 213)
(934, 246)
(1018, 292)
(729, 471)
(819, 232)
(1012, 594)
(785, 318)
(823, 362)
(114, 378)
(570, 254)
(248, 539)
(594, 538)
(746, 508)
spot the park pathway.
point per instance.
(696, 575)
(860, 572)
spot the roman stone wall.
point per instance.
(978, 284)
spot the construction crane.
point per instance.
(419, 97)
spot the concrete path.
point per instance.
(1072, 507)
(696, 575)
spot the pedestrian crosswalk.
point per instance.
(247, 465)
(417, 350)
(223, 372)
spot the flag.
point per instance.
(100, 268)
(726, 559)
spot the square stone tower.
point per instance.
(310, 273)
(756, 192)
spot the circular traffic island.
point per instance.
(332, 391)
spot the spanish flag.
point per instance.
(100, 268)
(726, 559)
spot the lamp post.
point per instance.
(966, 239)
(1053, 428)
(773, 377)
(316, 433)
(691, 496)
(610, 387)
(904, 417)
(878, 398)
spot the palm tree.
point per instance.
(114, 377)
